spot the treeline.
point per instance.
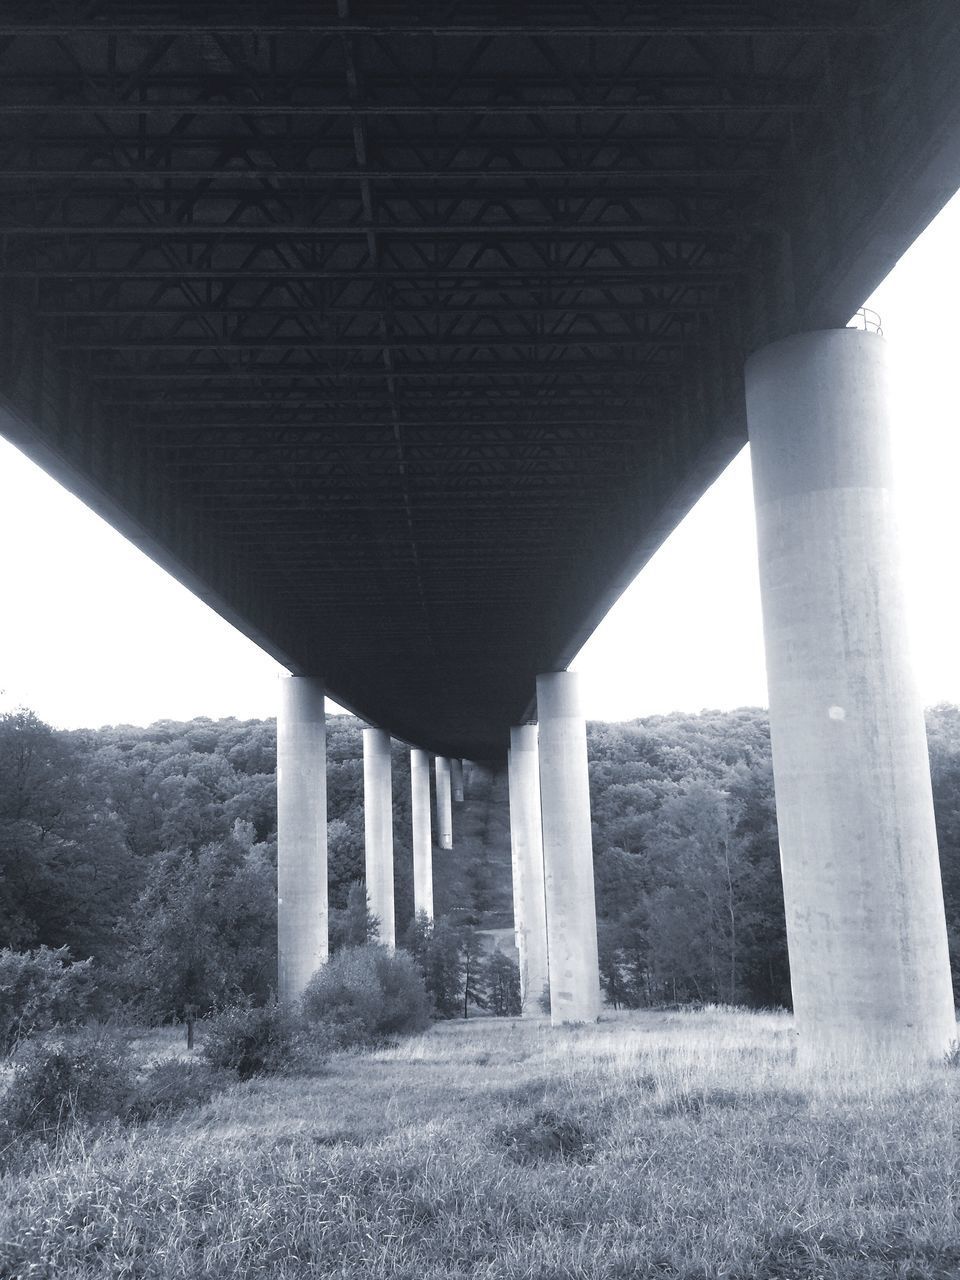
(689, 894)
(154, 852)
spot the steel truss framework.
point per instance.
(405, 332)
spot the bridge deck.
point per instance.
(405, 333)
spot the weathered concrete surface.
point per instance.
(567, 851)
(526, 837)
(301, 834)
(444, 803)
(378, 830)
(865, 919)
(422, 837)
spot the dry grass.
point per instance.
(680, 1145)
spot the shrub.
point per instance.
(252, 1040)
(364, 993)
(173, 1085)
(55, 1086)
(40, 990)
(543, 999)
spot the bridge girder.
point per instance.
(405, 341)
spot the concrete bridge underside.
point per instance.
(404, 334)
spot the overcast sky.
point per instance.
(94, 633)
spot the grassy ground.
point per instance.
(681, 1145)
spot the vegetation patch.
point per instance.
(174, 1085)
(391, 1165)
(40, 990)
(366, 994)
(60, 1085)
(546, 1134)
(251, 1040)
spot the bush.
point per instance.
(56, 1086)
(173, 1085)
(252, 1040)
(40, 990)
(365, 993)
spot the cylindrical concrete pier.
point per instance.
(516, 884)
(526, 840)
(456, 780)
(301, 834)
(422, 836)
(444, 804)
(864, 903)
(567, 851)
(378, 830)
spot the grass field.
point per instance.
(662, 1145)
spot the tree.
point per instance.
(610, 956)
(472, 968)
(355, 924)
(416, 937)
(65, 871)
(441, 967)
(501, 982)
(203, 931)
(694, 916)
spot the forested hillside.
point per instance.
(154, 851)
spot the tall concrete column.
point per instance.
(567, 851)
(301, 834)
(526, 841)
(456, 780)
(422, 836)
(444, 804)
(515, 882)
(378, 830)
(864, 904)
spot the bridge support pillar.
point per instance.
(864, 903)
(526, 839)
(567, 851)
(444, 804)
(378, 830)
(301, 834)
(422, 836)
(456, 780)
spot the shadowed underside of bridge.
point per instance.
(404, 333)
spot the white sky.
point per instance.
(94, 633)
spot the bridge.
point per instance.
(403, 334)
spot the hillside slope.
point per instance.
(474, 877)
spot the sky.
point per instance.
(94, 633)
